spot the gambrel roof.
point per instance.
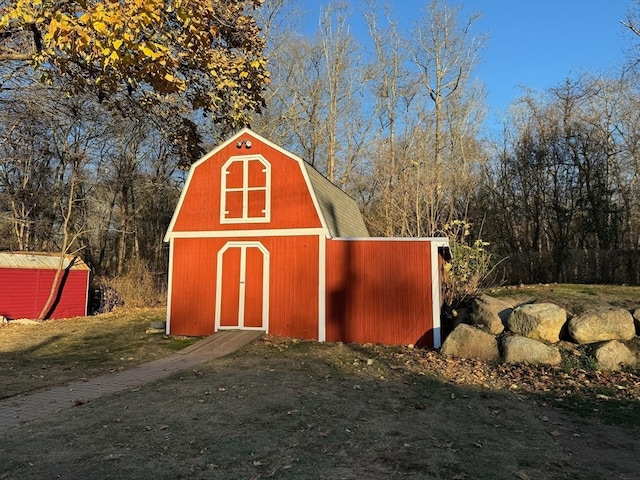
(341, 213)
(338, 212)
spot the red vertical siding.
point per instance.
(193, 286)
(291, 202)
(293, 285)
(23, 293)
(379, 292)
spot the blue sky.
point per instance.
(532, 43)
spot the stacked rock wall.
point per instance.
(530, 333)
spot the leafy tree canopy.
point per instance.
(210, 52)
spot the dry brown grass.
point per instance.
(302, 410)
(294, 410)
(57, 351)
(574, 298)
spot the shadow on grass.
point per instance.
(55, 352)
(611, 411)
(300, 413)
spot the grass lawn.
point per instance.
(290, 409)
(574, 298)
(51, 353)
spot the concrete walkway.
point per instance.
(24, 408)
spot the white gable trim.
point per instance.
(274, 232)
(234, 139)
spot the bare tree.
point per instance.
(445, 51)
(394, 93)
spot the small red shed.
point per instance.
(25, 284)
(261, 240)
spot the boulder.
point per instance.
(538, 321)
(490, 314)
(636, 320)
(517, 349)
(602, 324)
(613, 354)
(471, 342)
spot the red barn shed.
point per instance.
(261, 240)
(26, 279)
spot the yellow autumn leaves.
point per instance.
(211, 51)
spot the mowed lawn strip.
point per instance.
(574, 298)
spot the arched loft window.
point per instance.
(245, 190)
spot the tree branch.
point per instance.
(13, 56)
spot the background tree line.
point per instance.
(96, 166)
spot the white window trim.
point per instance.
(245, 189)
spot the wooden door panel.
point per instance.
(253, 288)
(230, 291)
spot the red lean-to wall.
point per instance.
(23, 292)
(292, 286)
(379, 292)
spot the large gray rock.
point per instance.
(490, 314)
(602, 324)
(517, 349)
(636, 320)
(471, 342)
(612, 355)
(538, 321)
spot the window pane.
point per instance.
(234, 175)
(233, 205)
(257, 177)
(257, 205)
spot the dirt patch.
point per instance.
(595, 449)
(290, 409)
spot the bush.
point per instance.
(138, 287)
(470, 268)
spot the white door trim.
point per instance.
(243, 272)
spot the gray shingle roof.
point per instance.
(340, 211)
